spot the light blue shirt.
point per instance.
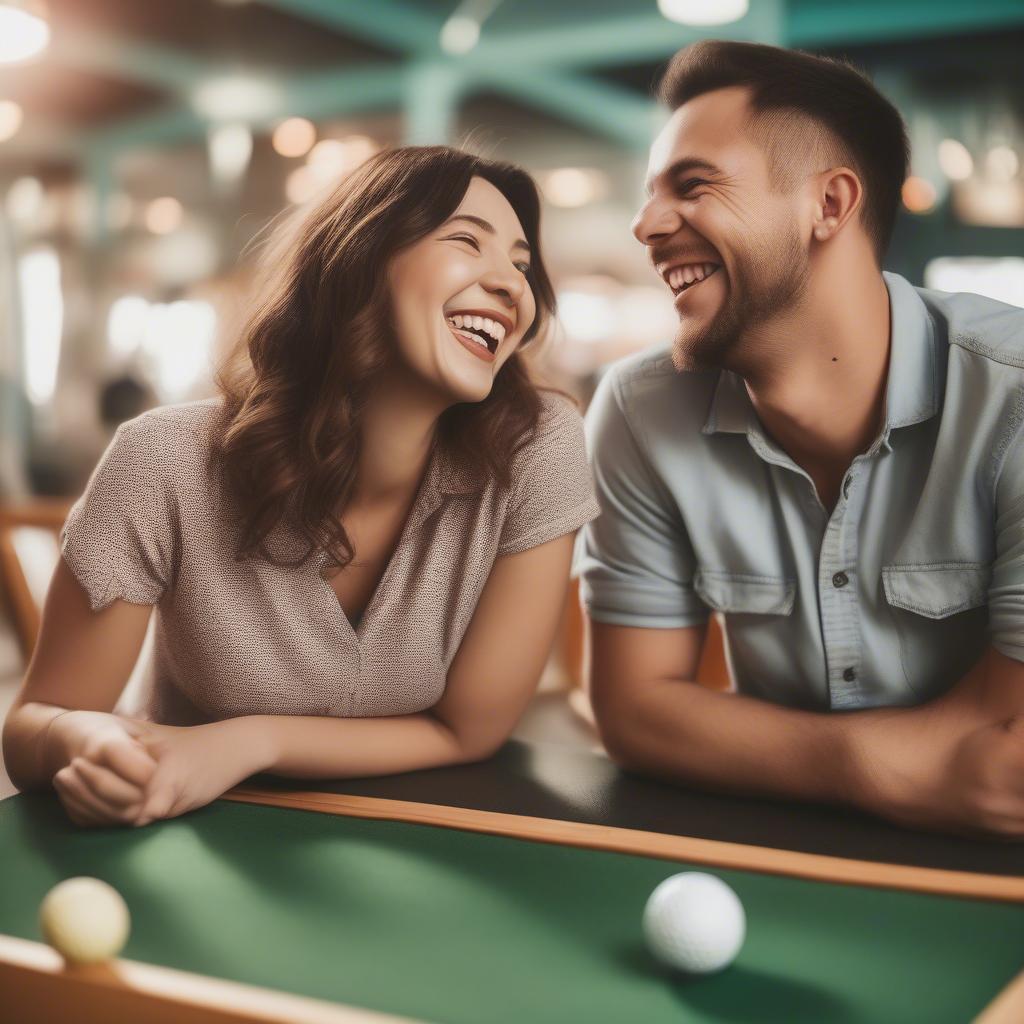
(887, 599)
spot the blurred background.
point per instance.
(143, 146)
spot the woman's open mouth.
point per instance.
(480, 334)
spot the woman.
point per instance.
(358, 552)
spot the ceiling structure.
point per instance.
(122, 80)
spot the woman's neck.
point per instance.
(398, 427)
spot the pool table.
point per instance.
(510, 890)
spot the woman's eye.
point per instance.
(468, 239)
(523, 268)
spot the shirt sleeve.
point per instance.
(635, 561)
(553, 493)
(118, 538)
(1006, 590)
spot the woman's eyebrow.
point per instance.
(486, 225)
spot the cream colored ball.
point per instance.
(85, 920)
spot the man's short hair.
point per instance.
(825, 108)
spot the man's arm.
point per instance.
(955, 764)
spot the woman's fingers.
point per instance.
(81, 801)
(108, 786)
(130, 760)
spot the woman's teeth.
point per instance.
(481, 329)
(680, 278)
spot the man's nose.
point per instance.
(656, 221)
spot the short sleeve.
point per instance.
(118, 538)
(553, 493)
(635, 561)
(1006, 590)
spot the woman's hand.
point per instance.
(195, 764)
(105, 768)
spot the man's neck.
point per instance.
(820, 388)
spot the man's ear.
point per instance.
(838, 197)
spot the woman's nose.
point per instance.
(507, 285)
(656, 220)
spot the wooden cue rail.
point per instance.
(710, 852)
(37, 985)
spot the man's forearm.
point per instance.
(685, 733)
(313, 747)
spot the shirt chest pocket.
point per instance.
(745, 594)
(940, 611)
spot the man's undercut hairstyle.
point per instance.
(823, 108)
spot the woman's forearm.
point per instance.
(32, 753)
(319, 748)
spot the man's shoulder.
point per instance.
(986, 327)
(648, 389)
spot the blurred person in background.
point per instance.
(826, 455)
(358, 552)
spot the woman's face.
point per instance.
(461, 299)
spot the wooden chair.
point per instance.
(29, 552)
(712, 672)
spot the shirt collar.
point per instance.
(912, 388)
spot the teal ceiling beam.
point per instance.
(863, 21)
(388, 23)
(316, 95)
(621, 39)
(605, 110)
(431, 96)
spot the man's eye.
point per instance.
(689, 184)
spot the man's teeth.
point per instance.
(690, 274)
(470, 324)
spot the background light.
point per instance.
(300, 185)
(24, 34)
(919, 194)
(164, 215)
(42, 316)
(11, 116)
(703, 12)
(126, 324)
(230, 149)
(573, 186)
(459, 35)
(999, 278)
(25, 200)
(955, 160)
(236, 98)
(333, 159)
(1002, 163)
(294, 137)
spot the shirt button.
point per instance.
(840, 579)
(849, 675)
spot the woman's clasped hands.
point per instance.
(124, 771)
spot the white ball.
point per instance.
(694, 922)
(85, 920)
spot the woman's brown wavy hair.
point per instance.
(296, 381)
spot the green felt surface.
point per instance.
(451, 926)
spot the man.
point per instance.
(826, 455)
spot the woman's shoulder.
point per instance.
(171, 442)
(559, 426)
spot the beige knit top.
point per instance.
(243, 638)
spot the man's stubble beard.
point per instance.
(767, 280)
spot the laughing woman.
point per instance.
(358, 552)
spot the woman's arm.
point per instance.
(490, 682)
(81, 663)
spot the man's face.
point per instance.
(733, 249)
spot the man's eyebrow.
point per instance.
(684, 166)
(486, 225)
